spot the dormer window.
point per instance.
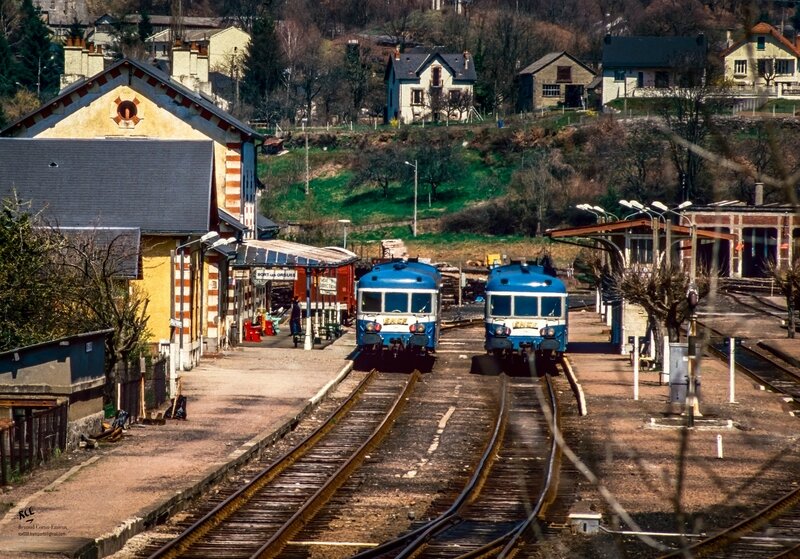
(436, 76)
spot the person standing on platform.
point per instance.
(294, 318)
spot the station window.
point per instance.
(370, 301)
(500, 305)
(395, 302)
(526, 306)
(421, 302)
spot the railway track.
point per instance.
(508, 490)
(772, 533)
(261, 516)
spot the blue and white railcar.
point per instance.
(526, 312)
(399, 306)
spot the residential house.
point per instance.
(135, 102)
(429, 85)
(651, 66)
(763, 57)
(59, 15)
(557, 79)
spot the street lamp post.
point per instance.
(344, 223)
(414, 229)
(305, 132)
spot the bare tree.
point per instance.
(99, 268)
(379, 166)
(788, 280)
(662, 294)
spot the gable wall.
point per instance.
(749, 52)
(409, 113)
(220, 50)
(548, 75)
(161, 117)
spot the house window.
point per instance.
(662, 79)
(416, 96)
(784, 66)
(761, 43)
(766, 67)
(564, 74)
(619, 75)
(436, 76)
(454, 96)
(740, 67)
(551, 90)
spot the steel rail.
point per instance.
(415, 538)
(234, 502)
(507, 543)
(282, 536)
(738, 531)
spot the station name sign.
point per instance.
(261, 276)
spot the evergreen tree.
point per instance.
(145, 27)
(38, 57)
(8, 68)
(263, 65)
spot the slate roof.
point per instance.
(159, 186)
(203, 105)
(411, 65)
(654, 52)
(124, 242)
(548, 59)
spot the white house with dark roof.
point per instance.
(429, 85)
(651, 66)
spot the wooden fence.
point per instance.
(136, 386)
(31, 441)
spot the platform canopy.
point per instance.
(276, 253)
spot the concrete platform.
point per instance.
(92, 501)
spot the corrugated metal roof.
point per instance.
(280, 253)
(159, 186)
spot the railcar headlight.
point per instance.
(372, 327)
(417, 328)
(548, 332)
(500, 330)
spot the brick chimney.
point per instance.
(95, 61)
(397, 52)
(759, 194)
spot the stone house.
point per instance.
(557, 79)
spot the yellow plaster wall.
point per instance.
(96, 120)
(157, 282)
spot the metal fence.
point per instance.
(31, 441)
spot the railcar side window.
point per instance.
(551, 306)
(526, 306)
(395, 302)
(370, 301)
(421, 302)
(500, 305)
